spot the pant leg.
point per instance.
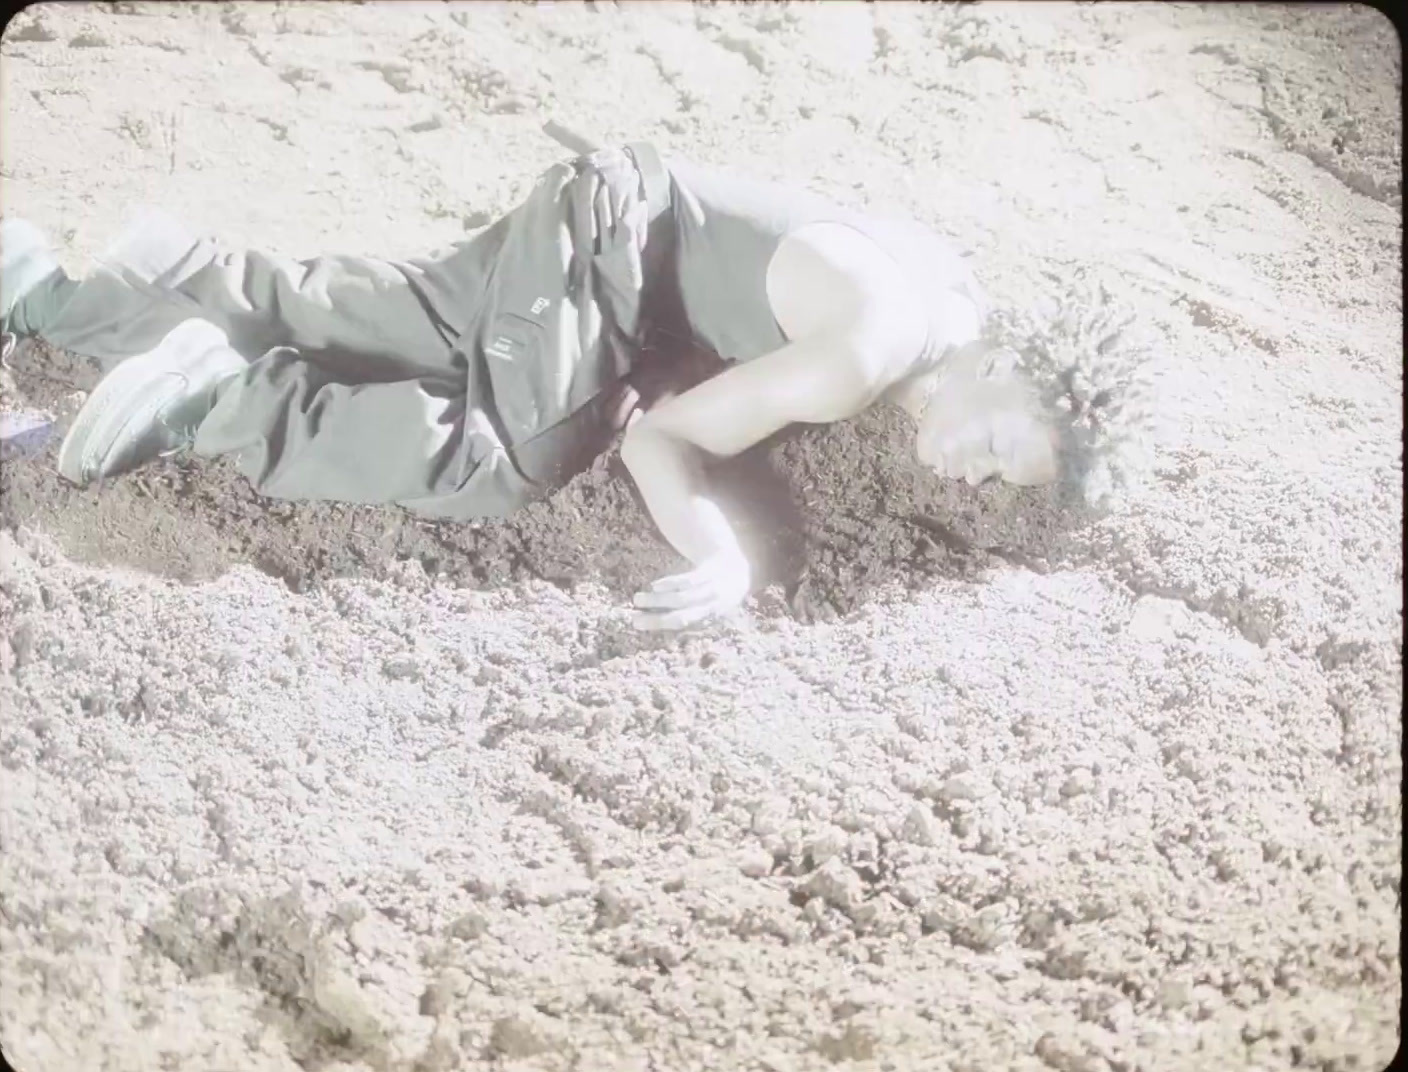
(42, 303)
(543, 344)
(381, 320)
(294, 432)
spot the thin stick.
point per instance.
(569, 138)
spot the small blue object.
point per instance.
(24, 433)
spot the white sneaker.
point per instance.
(149, 405)
(25, 260)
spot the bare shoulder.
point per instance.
(829, 276)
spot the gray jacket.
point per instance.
(548, 353)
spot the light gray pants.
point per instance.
(423, 382)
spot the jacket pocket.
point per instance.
(512, 348)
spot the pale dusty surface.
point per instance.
(281, 788)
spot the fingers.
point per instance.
(668, 600)
(697, 586)
(638, 230)
(629, 222)
(588, 320)
(719, 585)
(676, 619)
(603, 216)
(682, 600)
(583, 228)
(609, 202)
(675, 598)
(665, 623)
(679, 582)
(583, 192)
(621, 204)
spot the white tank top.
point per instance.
(727, 229)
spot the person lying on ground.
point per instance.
(467, 383)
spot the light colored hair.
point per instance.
(1092, 378)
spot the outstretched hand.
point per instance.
(715, 586)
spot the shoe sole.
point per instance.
(107, 414)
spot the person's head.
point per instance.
(983, 419)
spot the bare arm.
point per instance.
(855, 329)
(815, 380)
(669, 473)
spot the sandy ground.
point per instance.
(982, 782)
